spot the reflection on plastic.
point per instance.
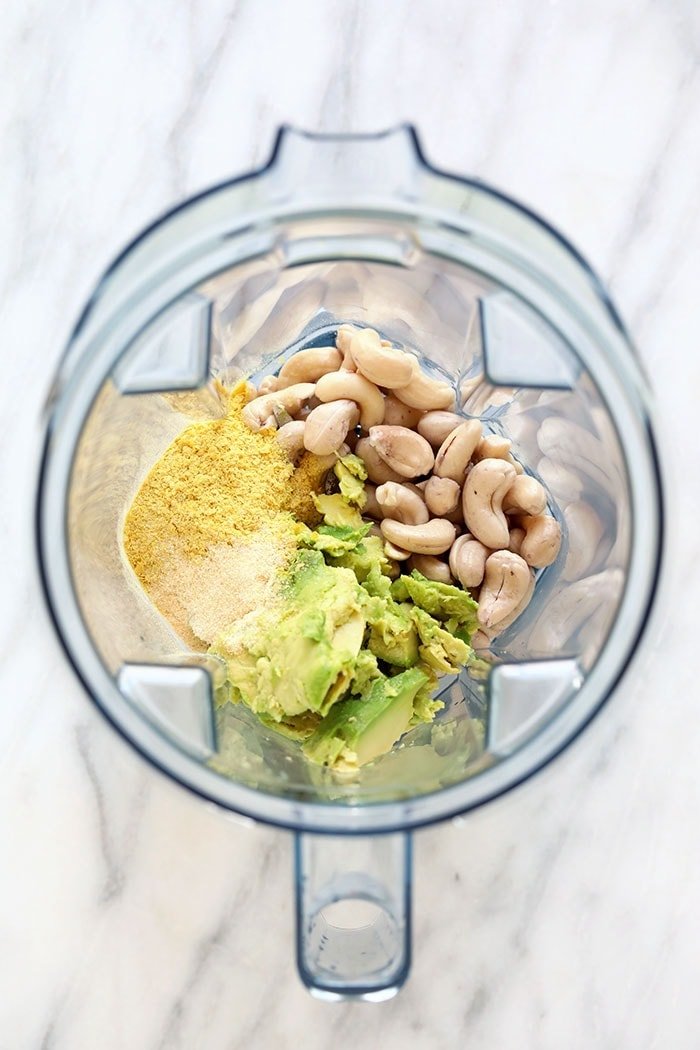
(177, 699)
(522, 697)
(172, 353)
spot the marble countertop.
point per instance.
(132, 915)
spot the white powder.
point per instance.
(201, 596)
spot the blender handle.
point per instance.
(353, 914)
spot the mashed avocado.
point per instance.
(356, 731)
(441, 600)
(300, 657)
(348, 660)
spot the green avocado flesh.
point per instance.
(301, 658)
(348, 659)
(356, 731)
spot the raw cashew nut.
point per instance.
(515, 613)
(250, 392)
(380, 363)
(515, 543)
(344, 336)
(431, 567)
(542, 540)
(342, 341)
(371, 508)
(306, 409)
(425, 393)
(525, 496)
(482, 497)
(306, 366)
(326, 427)
(480, 640)
(456, 516)
(492, 446)
(585, 533)
(401, 504)
(419, 491)
(351, 386)
(395, 553)
(377, 470)
(435, 537)
(456, 451)
(405, 451)
(435, 426)
(291, 438)
(260, 412)
(268, 385)
(442, 496)
(347, 364)
(506, 583)
(396, 414)
(468, 560)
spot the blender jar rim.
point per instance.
(65, 425)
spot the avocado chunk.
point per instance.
(367, 559)
(392, 632)
(438, 648)
(425, 707)
(297, 728)
(333, 540)
(337, 511)
(357, 731)
(441, 600)
(366, 670)
(377, 581)
(300, 657)
(351, 473)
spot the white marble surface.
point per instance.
(132, 916)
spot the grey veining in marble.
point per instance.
(566, 915)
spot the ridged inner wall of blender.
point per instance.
(509, 367)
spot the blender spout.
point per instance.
(350, 168)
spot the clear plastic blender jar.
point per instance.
(362, 230)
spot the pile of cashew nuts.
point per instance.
(448, 500)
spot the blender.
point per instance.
(359, 230)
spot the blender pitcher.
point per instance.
(355, 229)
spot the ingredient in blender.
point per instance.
(335, 626)
(344, 635)
(212, 523)
(434, 473)
(348, 661)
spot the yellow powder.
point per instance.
(210, 528)
(205, 403)
(307, 480)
